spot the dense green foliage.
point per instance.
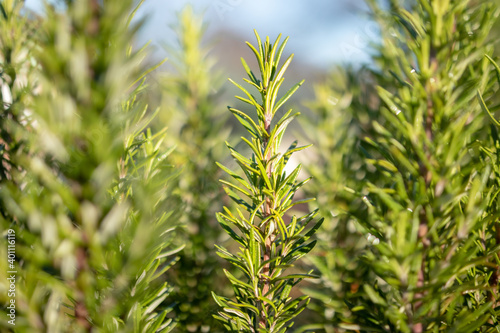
(420, 189)
(88, 198)
(110, 167)
(269, 245)
(196, 122)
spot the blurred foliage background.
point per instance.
(108, 174)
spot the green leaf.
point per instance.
(227, 228)
(4, 14)
(235, 176)
(221, 301)
(257, 55)
(255, 148)
(314, 229)
(264, 175)
(130, 17)
(280, 51)
(250, 74)
(373, 295)
(411, 23)
(280, 128)
(248, 306)
(254, 248)
(239, 313)
(283, 69)
(299, 252)
(296, 276)
(237, 282)
(252, 99)
(248, 194)
(287, 96)
(485, 109)
(497, 68)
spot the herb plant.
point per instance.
(265, 193)
(197, 127)
(89, 198)
(341, 115)
(428, 220)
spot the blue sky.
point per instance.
(322, 33)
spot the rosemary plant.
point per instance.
(268, 244)
(341, 115)
(197, 127)
(427, 216)
(87, 191)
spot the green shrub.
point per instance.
(88, 197)
(429, 214)
(197, 125)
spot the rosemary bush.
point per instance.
(196, 122)
(268, 244)
(341, 114)
(434, 217)
(429, 222)
(88, 196)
